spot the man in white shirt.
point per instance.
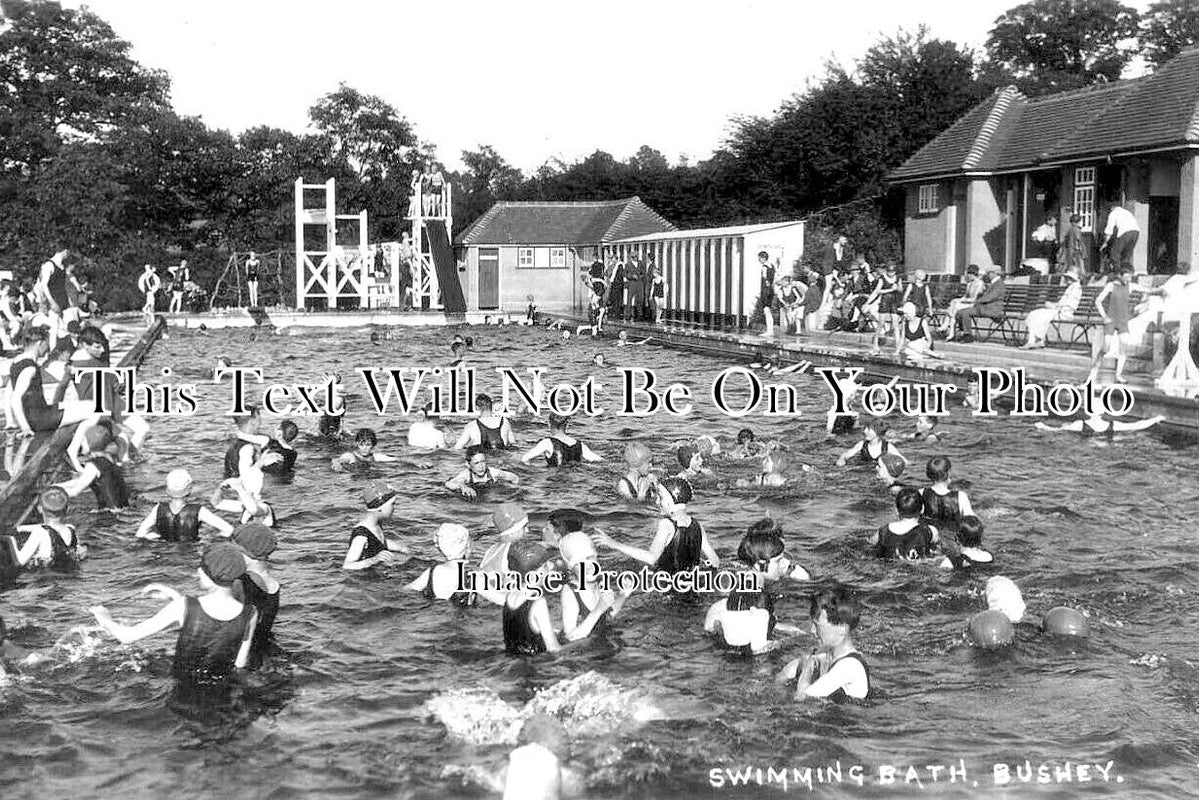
(1120, 236)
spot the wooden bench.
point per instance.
(1017, 302)
(1085, 317)
(943, 293)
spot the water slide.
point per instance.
(447, 269)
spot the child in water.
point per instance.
(968, 551)
(368, 545)
(528, 628)
(747, 445)
(746, 619)
(441, 581)
(640, 482)
(908, 538)
(872, 447)
(216, 629)
(680, 542)
(52, 543)
(836, 671)
(478, 477)
(177, 520)
(363, 453)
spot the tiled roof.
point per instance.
(565, 223)
(1008, 131)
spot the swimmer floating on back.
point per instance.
(1097, 425)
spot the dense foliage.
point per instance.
(92, 157)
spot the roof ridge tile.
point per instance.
(1004, 99)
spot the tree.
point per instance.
(1052, 45)
(366, 133)
(486, 179)
(65, 76)
(1168, 28)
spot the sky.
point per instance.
(535, 79)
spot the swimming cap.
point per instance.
(223, 563)
(679, 489)
(566, 519)
(991, 629)
(256, 539)
(1064, 621)
(575, 548)
(98, 437)
(509, 518)
(452, 539)
(636, 453)
(527, 556)
(908, 309)
(179, 483)
(378, 493)
(1004, 595)
(708, 446)
(892, 463)
(686, 453)
(54, 500)
(548, 732)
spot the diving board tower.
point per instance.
(435, 283)
(329, 273)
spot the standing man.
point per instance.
(252, 265)
(1120, 236)
(837, 257)
(52, 289)
(635, 277)
(616, 289)
(1070, 254)
(150, 283)
(766, 297)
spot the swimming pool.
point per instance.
(1107, 528)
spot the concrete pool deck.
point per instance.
(283, 318)
(1046, 367)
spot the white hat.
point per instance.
(179, 483)
(453, 540)
(1004, 595)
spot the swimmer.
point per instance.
(539, 768)
(458, 351)
(774, 471)
(597, 360)
(560, 447)
(511, 525)
(528, 629)
(640, 482)
(872, 446)
(363, 453)
(489, 430)
(216, 629)
(1097, 425)
(244, 496)
(746, 619)
(836, 671)
(282, 444)
(926, 430)
(708, 446)
(943, 505)
(973, 398)
(968, 550)
(478, 477)
(564, 532)
(424, 434)
(100, 472)
(888, 468)
(177, 520)
(692, 463)
(680, 542)
(530, 312)
(622, 339)
(247, 450)
(441, 581)
(53, 542)
(368, 545)
(747, 445)
(908, 538)
(260, 589)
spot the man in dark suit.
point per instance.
(838, 256)
(988, 304)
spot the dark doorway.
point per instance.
(1163, 235)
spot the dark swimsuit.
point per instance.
(207, 648)
(109, 486)
(864, 453)
(843, 423)
(233, 457)
(56, 286)
(267, 606)
(563, 453)
(888, 302)
(38, 413)
(744, 601)
(282, 467)
(63, 555)
(917, 543)
(840, 696)
(942, 507)
(181, 527)
(373, 546)
(519, 637)
(458, 598)
(490, 438)
(684, 551)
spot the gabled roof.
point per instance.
(564, 223)
(1010, 132)
(707, 233)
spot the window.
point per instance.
(557, 258)
(1084, 197)
(927, 200)
(541, 257)
(524, 257)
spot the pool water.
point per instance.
(1104, 527)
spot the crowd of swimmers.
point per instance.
(226, 625)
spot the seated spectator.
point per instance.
(1039, 319)
(988, 304)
